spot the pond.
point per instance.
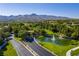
(50, 39)
(53, 39)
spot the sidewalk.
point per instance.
(69, 51)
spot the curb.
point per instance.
(30, 50)
(15, 50)
(45, 48)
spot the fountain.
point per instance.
(50, 39)
(53, 39)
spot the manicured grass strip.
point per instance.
(75, 53)
(10, 51)
(18, 39)
(49, 32)
(57, 49)
(41, 38)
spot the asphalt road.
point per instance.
(20, 49)
(38, 49)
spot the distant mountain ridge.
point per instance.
(32, 17)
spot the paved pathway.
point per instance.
(69, 51)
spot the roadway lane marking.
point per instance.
(29, 49)
(44, 48)
(15, 47)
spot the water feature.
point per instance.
(50, 39)
(53, 39)
(46, 39)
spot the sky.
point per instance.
(56, 9)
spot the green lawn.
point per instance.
(41, 38)
(49, 32)
(57, 49)
(61, 46)
(18, 39)
(67, 42)
(75, 53)
(8, 50)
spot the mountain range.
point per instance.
(31, 17)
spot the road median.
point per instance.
(28, 48)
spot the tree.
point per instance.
(43, 32)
